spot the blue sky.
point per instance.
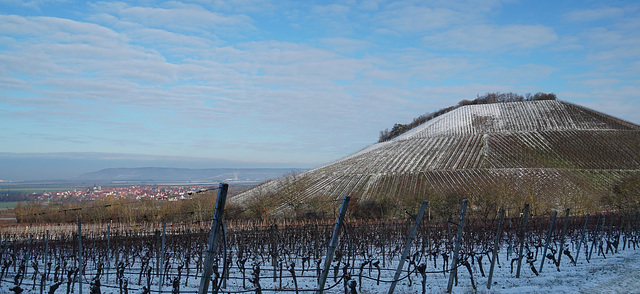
(297, 83)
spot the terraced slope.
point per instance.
(537, 149)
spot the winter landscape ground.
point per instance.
(127, 259)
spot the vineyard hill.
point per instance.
(533, 149)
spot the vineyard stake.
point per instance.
(108, 256)
(156, 238)
(80, 255)
(546, 245)
(454, 264)
(164, 229)
(595, 237)
(213, 237)
(564, 231)
(522, 238)
(46, 250)
(496, 246)
(407, 246)
(384, 260)
(575, 261)
(274, 251)
(332, 245)
(225, 268)
(29, 250)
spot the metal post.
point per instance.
(407, 246)
(575, 260)
(158, 241)
(454, 264)
(108, 255)
(332, 245)
(213, 238)
(274, 250)
(164, 229)
(80, 267)
(225, 268)
(44, 260)
(564, 231)
(496, 246)
(595, 237)
(522, 238)
(546, 245)
(46, 249)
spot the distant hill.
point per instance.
(550, 154)
(160, 174)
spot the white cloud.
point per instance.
(32, 4)
(370, 5)
(440, 68)
(346, 45)
(586, 15)
(330, 10)
(492, 38)
(177, 17)
(412, 19)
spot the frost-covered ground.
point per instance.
(617, 273)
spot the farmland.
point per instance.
(286, 256)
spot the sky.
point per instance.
(289, 83)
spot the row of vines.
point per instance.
(286, 257)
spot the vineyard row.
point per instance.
(286, 257)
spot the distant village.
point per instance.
(170, 193)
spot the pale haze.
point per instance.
(286, 83)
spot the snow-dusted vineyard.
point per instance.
(555, 145)
(286, 258)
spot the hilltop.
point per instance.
(550, 154)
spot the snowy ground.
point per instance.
(618, 273)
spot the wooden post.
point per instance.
(496, 246)
(213, 237)
(454, 264)
(546, 245)
(332, 245)
(564, 231)
(407, 246)
(575, 260)
(522, 238)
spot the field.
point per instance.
(8, 205)
(287, 257)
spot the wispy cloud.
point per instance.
(586, 15)
(279, 80)
(492, 38)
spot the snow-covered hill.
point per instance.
(538, 147)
